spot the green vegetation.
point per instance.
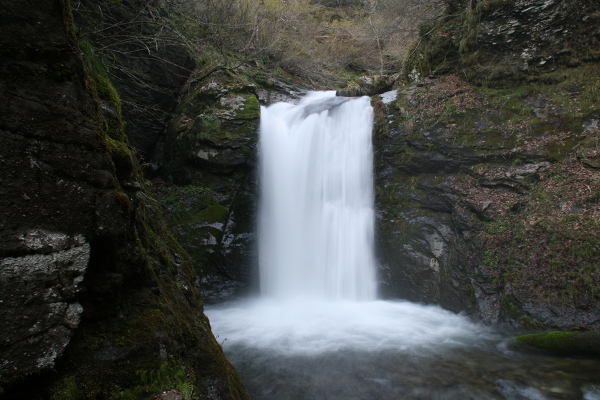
(168, 375)
(549, 249)
(65, 389)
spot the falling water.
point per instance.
(317, 331)
(316, 214)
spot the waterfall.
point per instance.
(316, 217)
(317, 263)
(317, 331)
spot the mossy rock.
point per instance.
(250, 109)
(561, 343)
(212, 214)
(122, 157)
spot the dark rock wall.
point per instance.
(93, 289)
(59, 189)
(211, 150)
(506, 43)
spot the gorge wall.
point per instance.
(487, 169)
(487, 185)
(97, 298)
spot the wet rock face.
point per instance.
(504, 25)
(504, 43)
(420, 223)
(541, 33)
(503, 160)
(83, 246)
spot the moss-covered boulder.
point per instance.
(561, 343)
(210, 162)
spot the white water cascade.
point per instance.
(316, 227)
(316, 215)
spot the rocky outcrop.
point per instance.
(59, 190)
(208, 188)
(486, 196)
(504, 43)
(211, 158)
(368, 86)
(453, 200)
(39, 299)
(93, 289)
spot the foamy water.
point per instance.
(313, 327)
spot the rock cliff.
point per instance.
(487, 173)
(211, 157)
(98, 299)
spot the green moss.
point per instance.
(213, 213)
(65, 389)
(510, 307)
(167, 375)
(107, 92)
(211, 124)
(562, 343)
(91, 60)
(251, 108)
(122, 156)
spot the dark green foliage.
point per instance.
(425, 29)
(169, 375)
(65, 389)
